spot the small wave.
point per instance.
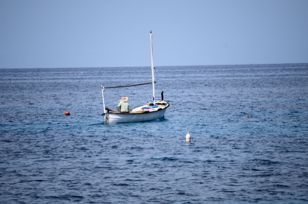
(167, 159)
(6, 141)
(120, 184)
(138, 148)
(265, 162)
(67, 197)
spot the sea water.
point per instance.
(248, 124)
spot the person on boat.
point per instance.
(123, 106)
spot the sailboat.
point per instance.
(152, 110)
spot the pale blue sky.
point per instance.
(103, 33)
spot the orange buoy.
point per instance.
(67, 113)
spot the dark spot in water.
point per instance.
(6, 140)
(120, 184)
(129, 161)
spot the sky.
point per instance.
(113, 33)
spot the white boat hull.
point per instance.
(113, 118)
(135, 116)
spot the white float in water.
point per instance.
(187, 137)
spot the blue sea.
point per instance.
(249, 128)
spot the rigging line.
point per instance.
(128, 85)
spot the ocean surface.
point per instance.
(249, 128)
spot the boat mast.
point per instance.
(104, 106)
(152, 67)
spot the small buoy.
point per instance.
(187, 137)
(67, 113)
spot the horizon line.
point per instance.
(95, 67)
